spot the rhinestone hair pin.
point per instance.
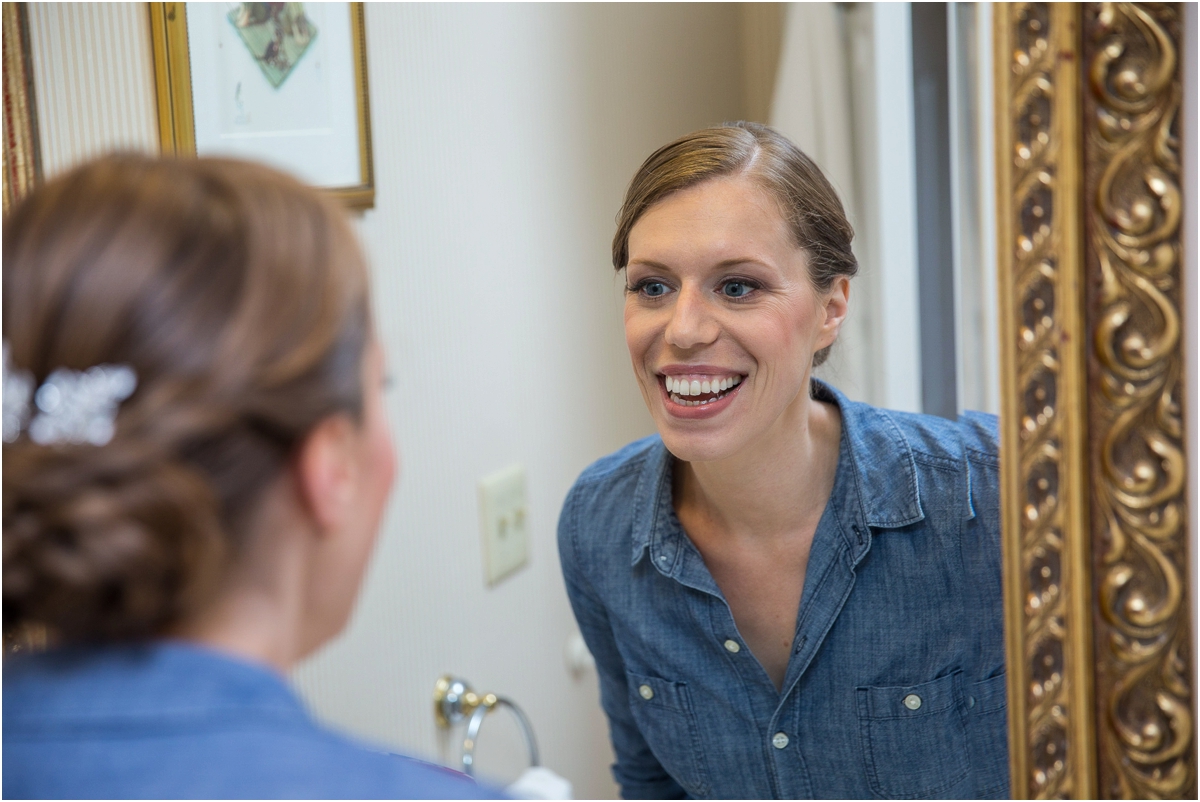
(71, 406)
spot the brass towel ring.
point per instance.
(453, 700)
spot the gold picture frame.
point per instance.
(1101, 700)
(173, 85)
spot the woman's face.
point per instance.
(372, 466)
(377, 454)
(722, 320)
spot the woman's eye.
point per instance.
(736, 289)
(652, 289)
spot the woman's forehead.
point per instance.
(716, 215)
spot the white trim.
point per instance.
(899, 306)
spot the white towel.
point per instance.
(539, 782)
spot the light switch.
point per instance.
(504, 518)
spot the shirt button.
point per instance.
(970, 701)
(647, 692)
(732, 646)
(780, 741)
(912, 701)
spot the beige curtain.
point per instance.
(813, 106)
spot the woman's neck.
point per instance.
(774, 486)
(248, 625)
(258, 611)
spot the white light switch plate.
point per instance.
(504, 518)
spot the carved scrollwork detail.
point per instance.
(1133, 206)
(1034, 251)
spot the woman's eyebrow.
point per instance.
(739, 260)
(647, 263)
(743, 260)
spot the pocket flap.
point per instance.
(662, 693)
(909, 701)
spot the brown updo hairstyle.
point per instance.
(240, 298)
(805, 197)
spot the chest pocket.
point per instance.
(664, 714)
(914, 738)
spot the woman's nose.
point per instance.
(692, 323)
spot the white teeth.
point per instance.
(679, 389)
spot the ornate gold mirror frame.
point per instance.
(1100, 658)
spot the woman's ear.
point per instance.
(326, 472)
(837, 306)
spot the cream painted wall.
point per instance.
(504, 136)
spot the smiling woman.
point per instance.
(788, 594)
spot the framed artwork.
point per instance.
(280, 83)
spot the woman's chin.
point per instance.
(695, 446)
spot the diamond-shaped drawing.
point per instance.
(276, 34)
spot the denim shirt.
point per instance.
(895, 686)
(171, 720)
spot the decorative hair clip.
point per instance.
(18, 387)
(71, 406)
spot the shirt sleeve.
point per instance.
(637, 770)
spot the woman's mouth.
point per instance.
(697, 392)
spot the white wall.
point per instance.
(504, 136)
(973, 168)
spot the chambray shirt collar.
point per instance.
(881, 462)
